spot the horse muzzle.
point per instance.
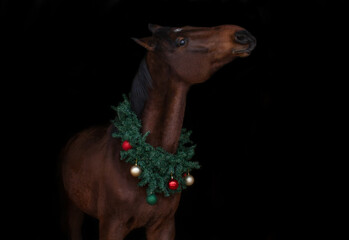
(243, 37)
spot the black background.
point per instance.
(255, 122)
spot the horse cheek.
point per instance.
(193, 69)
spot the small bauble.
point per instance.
(135, 170)
(126, 145)
(173, 184)
(152, 199)
(189, 180)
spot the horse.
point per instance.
(96, 182)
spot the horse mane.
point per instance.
(140, 86)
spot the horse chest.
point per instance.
(144, 214)
(121, 194)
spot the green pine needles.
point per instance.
(156, 164)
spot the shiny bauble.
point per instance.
(189, 180)
(135, 170)
(126, 145)
(152, 199)
(173, 184)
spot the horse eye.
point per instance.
(181, 42)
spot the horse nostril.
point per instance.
(243, 37)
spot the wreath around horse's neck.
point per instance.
(158, 169)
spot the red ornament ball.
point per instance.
(126, 145)
(173, 184)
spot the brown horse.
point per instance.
(96, 181)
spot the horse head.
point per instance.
(195, 53)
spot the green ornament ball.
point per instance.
(152, 199)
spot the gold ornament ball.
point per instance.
(135, 171)
(189, 180)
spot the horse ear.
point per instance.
(154, 27)
(146, 42)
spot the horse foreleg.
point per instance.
(112, 229)
(75, 220)
(162, 230)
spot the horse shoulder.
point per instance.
(84, 161)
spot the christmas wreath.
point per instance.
(157, 169)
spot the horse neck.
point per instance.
(163, 111)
